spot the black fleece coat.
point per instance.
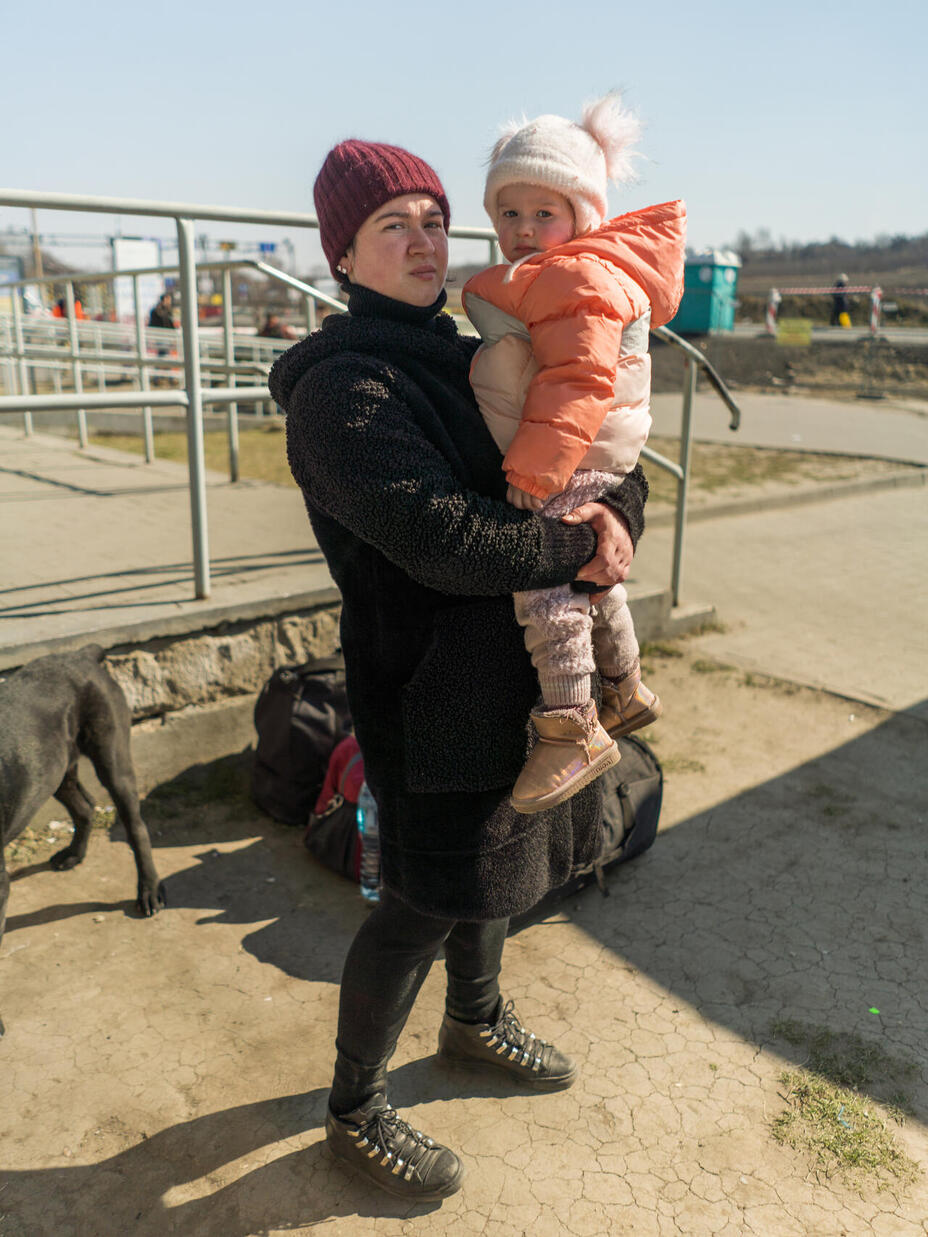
(406, 495)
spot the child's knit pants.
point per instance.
(566, 637)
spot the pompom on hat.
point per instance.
(576, 160)
(355, 179)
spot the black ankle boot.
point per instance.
(388, 1151)
(505, 1044)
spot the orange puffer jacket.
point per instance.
(563, 377)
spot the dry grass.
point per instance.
(262, 453)
(715, 468)
(841, 1132)
(828, 1118)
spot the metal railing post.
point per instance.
(686, 440)
(75, 361)
(16, 298)
(190, 330)
(310, 312)
(9, 369)
(140, 347)
(101, 365)
(230, 374)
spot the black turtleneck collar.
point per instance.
(365, 303)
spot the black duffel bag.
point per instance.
(632, 794)
(300, 715)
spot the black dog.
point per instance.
(52, 711)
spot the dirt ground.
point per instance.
(169, 1076)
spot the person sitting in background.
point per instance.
(162, 314)
(273, 328)
(60, 309)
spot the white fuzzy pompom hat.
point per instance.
(576, 160)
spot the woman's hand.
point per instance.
(519, 498)
(614, 550)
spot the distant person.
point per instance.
(840, 304)
(162, 315)
(161, 318)
(274, 328)
(563, 380)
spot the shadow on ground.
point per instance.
(799, 901)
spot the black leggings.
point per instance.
(385, 968)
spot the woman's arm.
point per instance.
(358, 454)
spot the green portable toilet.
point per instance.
(710, 282)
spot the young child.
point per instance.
(563, 380)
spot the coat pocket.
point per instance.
(466, 707)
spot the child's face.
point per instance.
(530, 220)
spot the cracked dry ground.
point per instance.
(169, 1076)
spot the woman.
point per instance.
(406, 496)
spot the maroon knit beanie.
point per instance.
(355, 179)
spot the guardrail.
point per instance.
(194, 395)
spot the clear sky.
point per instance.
(804, 117)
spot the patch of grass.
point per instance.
(681, 764)
(841, 1132)
(701, 666)
(38, 843)
(715, 467)
(822, 790)
(660, 648)
(844, 1057)
(838, 804)
(262, 451)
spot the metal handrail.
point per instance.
(194, 396)
(693, 359)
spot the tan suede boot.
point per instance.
(572, 750)
(628, 705)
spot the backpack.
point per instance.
(300, 715)
(332, 834)
(632, 794)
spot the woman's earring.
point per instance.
(341, 270)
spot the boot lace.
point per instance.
(403, 1148)
(516, 1041)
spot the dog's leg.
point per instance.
(151, 895)
(105, 739)
(80, 808)
(113, 763)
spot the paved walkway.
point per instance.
(832, 595)
(884, 429)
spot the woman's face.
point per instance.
(401, 250)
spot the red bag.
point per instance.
(332, 834)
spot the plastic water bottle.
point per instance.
(370, 845)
